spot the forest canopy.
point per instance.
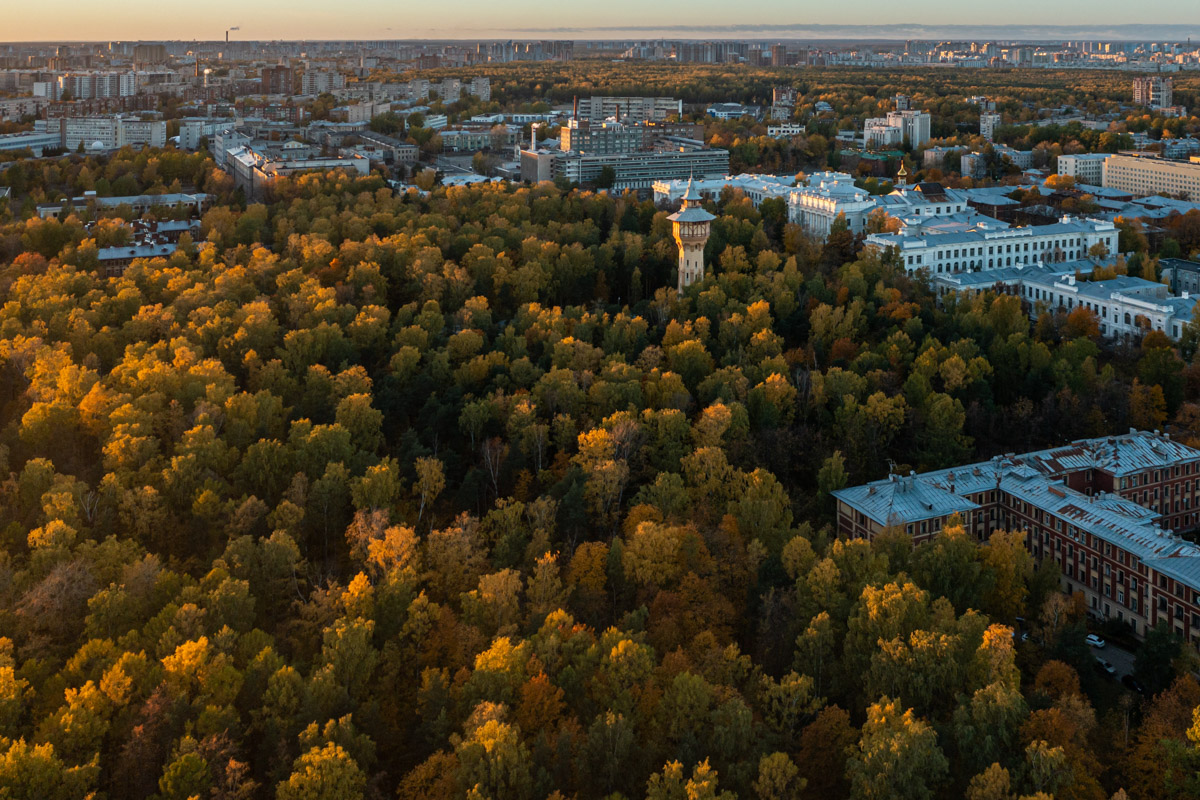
(452, 496)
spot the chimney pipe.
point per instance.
(575, 108)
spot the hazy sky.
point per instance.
(102, 20)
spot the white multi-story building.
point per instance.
(322, 82)
(16, 108)
(104, 133)
(896, 128)
(1085, 168)
(986, 248)
(988, 122)
(879, 132)
(827, 196)
(1144, 175)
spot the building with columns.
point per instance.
(691, 224)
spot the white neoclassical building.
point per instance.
(986, 248)
(1125, 307)
(815, 206)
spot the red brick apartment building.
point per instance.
(1105, 510)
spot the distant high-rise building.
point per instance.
(778, 55)
(150, 53)
(278, 80)
(1154, 91)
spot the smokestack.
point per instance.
(226, 37)
(575, 108)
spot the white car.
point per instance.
(1095, 641)
(1104, 666)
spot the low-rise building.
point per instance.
(469, 140)
(1182, 276)
(197, 203)
(732, 111)
(783, 130)
(756, 187)
(637, 171)
(987, 247)
(1125, 307)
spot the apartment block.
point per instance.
(988, 122)
(1155, 91)
(629, 109)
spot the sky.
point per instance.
(103, 20)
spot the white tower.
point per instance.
(691, 225)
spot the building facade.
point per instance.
(985, 248)
(1083, 167)
(988, 122)
(1156, 91)
(630, 109)
(1104, 510)
(1144, 175)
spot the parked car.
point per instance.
(1133, 684)
(1095, 641)
(1105, 667)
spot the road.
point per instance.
(1121, 659)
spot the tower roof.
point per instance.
(691, 210)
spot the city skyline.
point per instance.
(373, 19)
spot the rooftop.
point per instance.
(1036, 475)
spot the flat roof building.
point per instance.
(1142, 175)
(991, 247)
(1083, 167)
(1104, 510)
